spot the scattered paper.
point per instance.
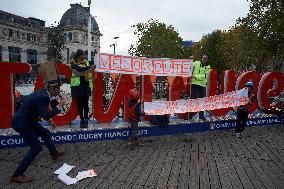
(67, 180)
(62, 174)
(64, 169)
(86, 174)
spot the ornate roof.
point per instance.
(77, 15)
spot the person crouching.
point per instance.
(26, 122)
(243, 111)
(134, 115)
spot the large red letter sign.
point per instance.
(270, 85)
(7, 106)
(124, 85)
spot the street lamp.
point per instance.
(114, 44)
(113, 47)
(89, 32)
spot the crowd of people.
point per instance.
(36, 107)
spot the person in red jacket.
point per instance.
(134, 115)
(243, 111)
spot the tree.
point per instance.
(239, 48)
(156, 40)
(210, 46)
(55, 43)
(265, 19)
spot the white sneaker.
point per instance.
(238, 135)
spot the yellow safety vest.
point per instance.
(200, 74)
(75, 78)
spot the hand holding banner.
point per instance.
(143, 66)
(231, 99)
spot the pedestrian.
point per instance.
(26, 123)
(134, 115)
(243, 111)
(81, 85)
(200, 75)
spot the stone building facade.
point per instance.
(24, 39)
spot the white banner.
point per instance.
(143, 66)
(231, 99)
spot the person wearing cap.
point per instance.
(134, 114)
(81, 85)
(199, 79)
(26, 122)
(243, 111)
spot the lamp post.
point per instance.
(89, 32)
(113, 47)
(114, 44)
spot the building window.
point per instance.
(23, 35)
(31, 37)
(32, 56)
(68, 55)
(70, 36)
(0, 54)
(17, 34)
(14, 54)
(10, 33)
(28, 37)
(65, 37)
(32, 59)
(92, 56)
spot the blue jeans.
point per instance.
(31, 137)
(197, 91)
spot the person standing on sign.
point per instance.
(134, 115)
(26, 123)
(200, 75)
(81, 85)
(243, 111)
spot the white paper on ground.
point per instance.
(62, 174)
(66, 179)
(64, 169)
(86, 174)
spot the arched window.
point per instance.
(70, 37)
(10, 33)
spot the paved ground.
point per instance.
(215, 159)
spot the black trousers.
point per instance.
(83, 107)
(135, 130)
(242, 117)
(30, 137)
(197, 92)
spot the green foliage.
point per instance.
(238, 48)
(265, 23)
(55, 43)
(156, 40)
(255, 41)
(210, 46)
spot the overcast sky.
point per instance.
(191, 18)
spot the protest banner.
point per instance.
(226, 100)
(143, 66)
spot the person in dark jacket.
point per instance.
(26, 123)
(134, 115)
(243, 111)
(81, 85)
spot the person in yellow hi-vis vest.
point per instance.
(81, 85)
(200, 75)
